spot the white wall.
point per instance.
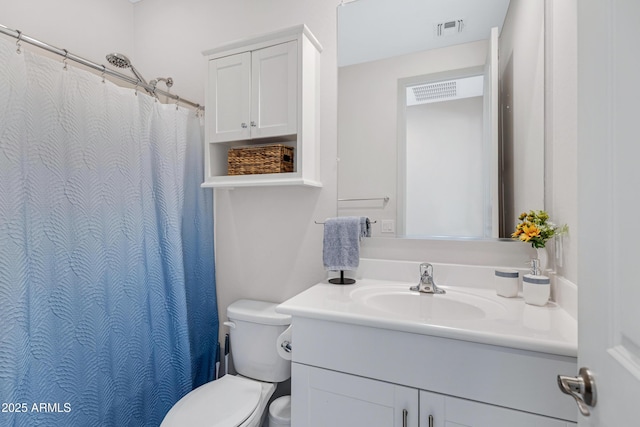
(267, 245)
(90, 29)
(561, 190)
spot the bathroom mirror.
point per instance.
(386, 47)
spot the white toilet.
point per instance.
(240, 400)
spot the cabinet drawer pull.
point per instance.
(405, 413)
(430, 420)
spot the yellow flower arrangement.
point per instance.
(535, 228)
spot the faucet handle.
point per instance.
(426, 268)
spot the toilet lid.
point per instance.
(225, 402)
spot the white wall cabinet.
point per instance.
(264, 90)
(254, 94)
(351, 375)
(230, 95)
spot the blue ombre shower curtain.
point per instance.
(107, 294)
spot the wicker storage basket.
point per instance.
(275, 158)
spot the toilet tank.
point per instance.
(255, 327)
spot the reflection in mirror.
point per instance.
(374, 121)
(440, 140)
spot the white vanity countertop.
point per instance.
(507, 322)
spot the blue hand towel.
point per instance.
(341, 245)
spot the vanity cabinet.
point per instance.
(353, 375)
(263, 90)
(446, 411)
(342, 400)
(339, 400)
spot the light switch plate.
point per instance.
(388, 226)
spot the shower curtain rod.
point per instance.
(16, 34)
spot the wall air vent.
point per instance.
(447, 90)
(449, 28)
(434, 91)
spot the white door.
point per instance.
(609, 205)
(230, 97)
(324, 398)
(438, 410)
(274, 90)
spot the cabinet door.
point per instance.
(322, 398)
(230, 98)
(274, 88)
(454, 412)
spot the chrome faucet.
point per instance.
(426, 284)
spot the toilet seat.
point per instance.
(227, 402)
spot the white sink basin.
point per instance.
(412, 305)
(473, 313)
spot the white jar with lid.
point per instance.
(536, 289)
(506, 282)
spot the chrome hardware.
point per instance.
(286, 346)
(243, 125)
(534, 263)
(168, 82)
(582, 388)
(253, 124)
(430, 420)
(64, 60)
(426, 284)
(18, 44)
(405, 414)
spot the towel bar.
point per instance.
(385, 199)
(322, 223)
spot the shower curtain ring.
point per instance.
(104, 69)
(177, 102)
(18, 44)
(64, 60)
(136, 89)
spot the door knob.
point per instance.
(582, 388)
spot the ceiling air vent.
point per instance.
(449, 28)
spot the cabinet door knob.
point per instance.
(253, 124)
(243, 125)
